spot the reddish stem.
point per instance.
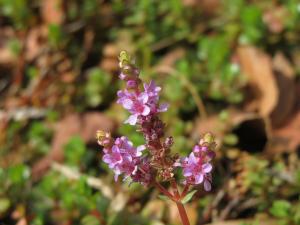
(176, 198)
(182, 213)
(180, 206)
(185, 190)
(163, 190)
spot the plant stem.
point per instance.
(163, 190)
(176, 198)
(180, 206)
(182, 213)
(185, 191)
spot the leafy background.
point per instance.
(226, 66)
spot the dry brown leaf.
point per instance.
(287, 137)
(257, 66)
(52, 11)
(283, 65)
(284, 74)
(207, 6)
(84, 125)
(221, 127)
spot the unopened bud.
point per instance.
(103, 137)
(208, 138)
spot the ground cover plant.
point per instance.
(226, 67)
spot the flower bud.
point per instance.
(208, 138)
(104, 138)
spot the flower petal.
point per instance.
(207, 185)
(199, 178)
(146, 111)
(163, 107)
(127, 103)
(131, 120)
(207, 167)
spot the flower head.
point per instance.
(197, 167)
(141, 103)
(122, 157)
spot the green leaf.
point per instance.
(163, 197)
(96, 86)
(188, 197)
(89, 220)
(4, 205)
(280, 209)
(18, 173)
(55, 34)
(75, 150)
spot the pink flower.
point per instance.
(122, 157)
(195, 170)
(141, 103)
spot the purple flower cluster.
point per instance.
(197, 167)
(142, 101)
(123, 158)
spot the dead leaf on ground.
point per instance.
(283, 65)
(257, 66)
(287, 137)
(207, 6)
(222, 127)
(284, 74)
(52, 11)
(84, 125)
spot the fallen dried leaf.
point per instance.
(286, 138)
(283, 65)
(207, 6)
(257, 66)
(84, 125)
